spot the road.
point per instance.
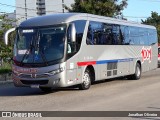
(108, 95)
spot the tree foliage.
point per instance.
(155, 21)
(6, 51)
(99, 7)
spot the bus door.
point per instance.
(71, 55)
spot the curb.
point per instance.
(6, 82)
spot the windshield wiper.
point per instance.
(27, 52)
(37, 49)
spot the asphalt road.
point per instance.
(108, 95)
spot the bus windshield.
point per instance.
(39, 45)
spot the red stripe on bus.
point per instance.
(86, 63)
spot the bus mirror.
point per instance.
(73, 33)
(7, 34)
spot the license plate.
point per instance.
(34, 86)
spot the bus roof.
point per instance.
(61, 18)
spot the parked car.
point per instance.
(159, 56)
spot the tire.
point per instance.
(86, 80)
(46, 89)
(137, 74)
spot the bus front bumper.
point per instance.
(57, 80)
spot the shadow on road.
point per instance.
(11, 90)
(110, 80)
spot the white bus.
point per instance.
(69, 49)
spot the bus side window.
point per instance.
(116, 34)
(89, 36)
(69, 43)
(73, 47)
(152, 37)
(80, 25)
(126, 35)
(94, 33)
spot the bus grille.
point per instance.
(111, 69)
(32, 82)
(30, 76)
(111, 66)
(114, 72)
(108, 73)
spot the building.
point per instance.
(26, 9)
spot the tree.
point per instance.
(6, 51)
(155, 21)
(99, 7)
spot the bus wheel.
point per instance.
(137, 74)
(86, 81)
(46, 89)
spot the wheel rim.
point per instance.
(86, 79)
(138, 71)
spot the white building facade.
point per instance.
(26, 9)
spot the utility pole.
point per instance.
(63, 6)
(25, 10)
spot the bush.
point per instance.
(5, 68)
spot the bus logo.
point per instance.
(146, 54)
(33, 75)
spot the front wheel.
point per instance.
(86, 80)
(137, 74)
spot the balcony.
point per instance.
(41, 12)
(41, 6)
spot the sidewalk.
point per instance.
(5, 79)
(6, 82)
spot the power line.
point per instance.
(16, 6)
(25, 8)
(63, 4)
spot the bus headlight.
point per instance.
(56, 71)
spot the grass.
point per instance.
(5, 68)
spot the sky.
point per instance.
(135, 11)
(140, 9)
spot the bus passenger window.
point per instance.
(89, 38)
(94, 33)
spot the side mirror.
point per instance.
(7, 34)
(73, 33)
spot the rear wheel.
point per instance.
(86, 80)
(137, 74)
(46, 89)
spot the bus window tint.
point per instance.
(73, 47)
(114, 34)
(80, 25)
(126, 35)
(134, 36)
(104, 34)
(117, 35)
(152, 37)
(94, 33)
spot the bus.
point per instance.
(77, 49)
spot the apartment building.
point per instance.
(26, 9)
